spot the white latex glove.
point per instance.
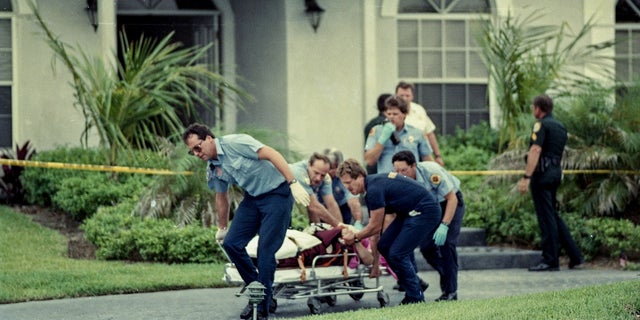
(220, 234)
(299, 194)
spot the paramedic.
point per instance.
(439, 251)
(418, 214)
(269, 191)
(313, 175)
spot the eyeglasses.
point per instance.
(197, 148)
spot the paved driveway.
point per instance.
(223, 304)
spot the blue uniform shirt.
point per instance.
(238, 164)
(301, 173)
(340, 192)
(398, 194)
(436, 179)
(411, 139)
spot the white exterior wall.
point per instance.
(43, 110)
(319, 88)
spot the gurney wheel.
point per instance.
(314, 305)
(330, 300)
(356, 283)
(383, 298)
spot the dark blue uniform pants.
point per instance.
(268, 215)
(554, 232)
(397, 244)
(444, 259)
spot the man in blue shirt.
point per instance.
(417, 216)
(314, 177)
(387, 139)
(440, 252)
(269, 191)
(349, 204)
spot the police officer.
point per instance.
(395, 135)
(269, 191)
(439, 251)
(417, 217)
(543, 173)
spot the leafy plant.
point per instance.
(10, 183)
(156, 87)
(526, 59)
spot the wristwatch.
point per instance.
(526, 176)
(294, 180)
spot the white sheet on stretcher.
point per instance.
(290, 275)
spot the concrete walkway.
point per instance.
(223, 304)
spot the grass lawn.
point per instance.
(34, 266)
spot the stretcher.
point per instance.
(320, 284)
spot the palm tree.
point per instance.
(525, 59)
(145, 96)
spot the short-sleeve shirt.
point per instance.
(301, 173)
(340, 192)
(398, 194)
(418, 118)
(551, 135)
(436, 179)
(411, 138)
(238, 164)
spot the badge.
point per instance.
(411, 139)
(537, 126)
(435, 179)
(534, 136)
(392, 175)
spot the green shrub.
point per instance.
(81, 196)
(80, 192)
(118, 235)
(41, 184)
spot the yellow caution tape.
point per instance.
(516, 172)
(89, 167)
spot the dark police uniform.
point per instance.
(551, 136)
(417, 211)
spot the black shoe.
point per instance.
(409, 300)
(543, 267)
(447, 297)
(423, 285)
(247, 312)
(573, 263)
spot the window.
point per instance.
(6, 74)
(627, 40)
(438, 53)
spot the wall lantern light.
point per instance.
(314, 12)
(92, 12)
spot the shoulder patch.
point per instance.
(392, 175)
(537, 126)
(327, 179)
(534, 136)
(435, 179)
(372, 131)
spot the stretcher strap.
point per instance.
(345, 264)
(303, 270)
